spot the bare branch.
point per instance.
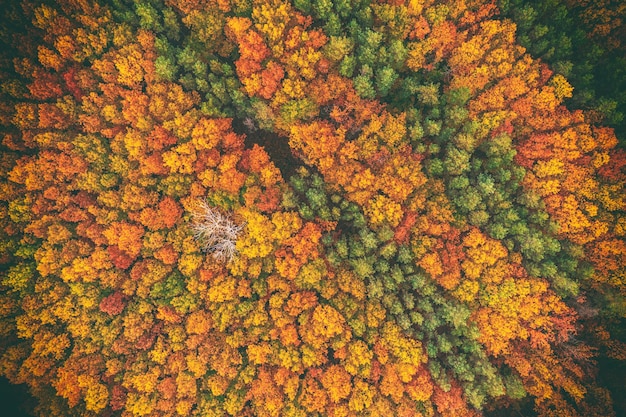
(215, 232)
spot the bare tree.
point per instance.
(215, 232)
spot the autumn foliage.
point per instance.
(451, 243)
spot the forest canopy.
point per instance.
(313, 208)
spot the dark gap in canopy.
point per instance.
(276, 146)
